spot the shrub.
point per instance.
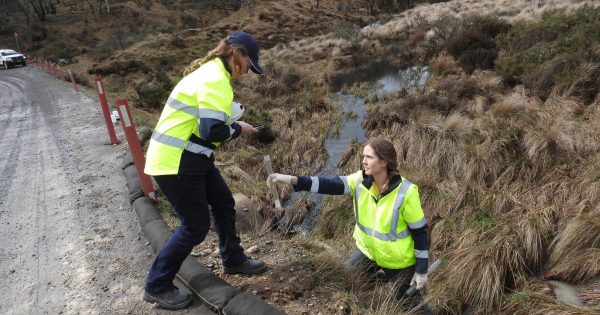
(560, 51)
(155, 94)
(472, 43)
(118, 67)
(473, 50)
(79, 78)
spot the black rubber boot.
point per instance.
(249, 267)
(171, 300)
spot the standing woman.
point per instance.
(390, 230)
(199, 115)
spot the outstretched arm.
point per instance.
(321, 185)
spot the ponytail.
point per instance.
(223, 50)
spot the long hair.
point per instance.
(384, 150)
(224, 50)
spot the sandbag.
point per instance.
(249, 304)
(133, 183)
(146, 211)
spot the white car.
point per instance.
(10, 58)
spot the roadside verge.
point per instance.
(213, 291)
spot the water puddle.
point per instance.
(354, 111)
(566, 292)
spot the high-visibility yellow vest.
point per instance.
(381, 230)
(204, 93)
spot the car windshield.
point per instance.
(8, 53)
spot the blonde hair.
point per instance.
(224, 50)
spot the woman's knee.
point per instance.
(195, 234)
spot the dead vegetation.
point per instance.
(505, 149)
(509, 175)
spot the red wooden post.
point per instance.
(135, 147)
(73, 81)
(62, 77)
(56, 72)
(53, 70)
(106, 111)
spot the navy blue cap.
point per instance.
(249, 44)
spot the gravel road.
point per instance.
(70, 242)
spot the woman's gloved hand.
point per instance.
(279, 178)
(418, 280)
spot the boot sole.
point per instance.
(151, 299)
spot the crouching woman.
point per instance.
(390, 229)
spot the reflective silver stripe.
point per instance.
(178, 143)
(315, 184)
(357, 192)
(213, 114)
(417, 225)
(421, 253)
(393, 235)
(168, 140)
(231, 131)
(397, 204)
(388, 237)
(346, 186)
(198, 149)
(180, 106)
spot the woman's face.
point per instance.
(244, 61)
(371, 163)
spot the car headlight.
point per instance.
(8, 59)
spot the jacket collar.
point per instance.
(395, 181)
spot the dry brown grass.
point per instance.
(534, 232)
(444, 64)
(481, 265)
(500, 173)
(591, 295)
(510, 10)
(539, 303)
(575, 255)
(514, 170)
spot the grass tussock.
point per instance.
(539, 302)
(534, 232)
(590, 295)
(575, 255)
(481, 269)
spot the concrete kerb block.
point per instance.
(248, 304)
(214, 291)
(143, 135)
(127, 160)
(146, 212)
(157, 233)
(133, 183)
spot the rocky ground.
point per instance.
(69, 240)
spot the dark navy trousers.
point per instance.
(190, 196)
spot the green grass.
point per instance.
(168, 214)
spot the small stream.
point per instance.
(411, 79)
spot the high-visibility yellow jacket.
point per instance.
(385, 224)
(382, 227)
(200, 101)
